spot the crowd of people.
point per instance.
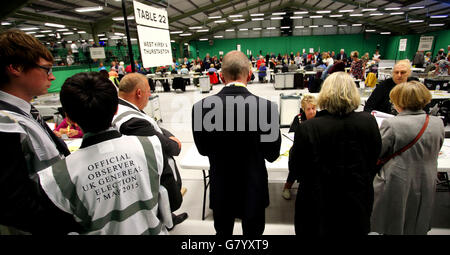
(354, 176)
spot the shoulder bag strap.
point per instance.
(384, 160)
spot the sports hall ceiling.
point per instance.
(209, 19)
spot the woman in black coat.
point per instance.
(334, 157)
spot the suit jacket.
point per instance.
(343, 56)
(379, 99)
(334, 158)
(238, 175)
(405, 186)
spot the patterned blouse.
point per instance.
(357, 69)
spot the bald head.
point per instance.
(235, 66)
(401, 71)
(131, 82)
(135, 89)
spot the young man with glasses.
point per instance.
(28, 144)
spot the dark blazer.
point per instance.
(334, 158)
(344, 57)
(379, 99)
(238, 174)
(170, 178)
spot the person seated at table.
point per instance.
(292, 67)
(87, 184)
(307, 111)
(442, 66)
(212, 73)
(262, 72)
(69, 129)
(184, 70)
(405, 186)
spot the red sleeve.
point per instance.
(63, 124)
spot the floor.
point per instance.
(176, 115)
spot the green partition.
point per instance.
(62, 73)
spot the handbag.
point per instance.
(382, 161)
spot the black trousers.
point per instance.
(251, 225)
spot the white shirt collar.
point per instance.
(135, 107)
(18, 102)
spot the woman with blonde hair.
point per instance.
(405, 186)
(334, 157)
(307, 111)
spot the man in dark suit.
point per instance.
(237, 134)
(134, 92)
(342, 56)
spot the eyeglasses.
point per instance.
(48, 69)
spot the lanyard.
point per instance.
(236, 84)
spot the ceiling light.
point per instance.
(229, 30)
(89, 9)
(54, 25)
(203, 30)
(416, 7)
(356, 25)
(356, 15)
(193, 28)
(296, 17)
(172, 40)
(323, 11)
(133, 39)
(29, 28)
(255, 19)
(203, 39)
(176, 32)
(243, 29)
(286, 27)
(392, 8)
(30, 33)
(313, 26)
(336, 15)
(257, 28)
(6, 23)
(370, 30)
(376, 14)
(271, 28)
(276, 18)
(186, 34)
(299, 26)
(38, 36)
(69, 41)
(369, 9)
(99, 35)
(62, 30)
(342, 25)
(215, 17)
(436, 25)
(438, 16)
(346, 10)
(279, 13)
(385, 33)
(51, 34)
(121, 18)
(68, 33)
(257, 14)
(302, 12)
(46, 31)
(121, 34)
(186, 44)
(416, 21)
(103, 39)
(80, 32)
(315, 17)
(396, 13)
(235, 16)
(218, 36)
(220, 21)
(238, 20)
(327, 25)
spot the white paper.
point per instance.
(380, 116)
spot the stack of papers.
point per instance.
(380, 116)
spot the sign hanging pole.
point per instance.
(130, 49)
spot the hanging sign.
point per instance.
(153, 33)
(402, 45)
(425, 43)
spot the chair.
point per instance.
(213, 79)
